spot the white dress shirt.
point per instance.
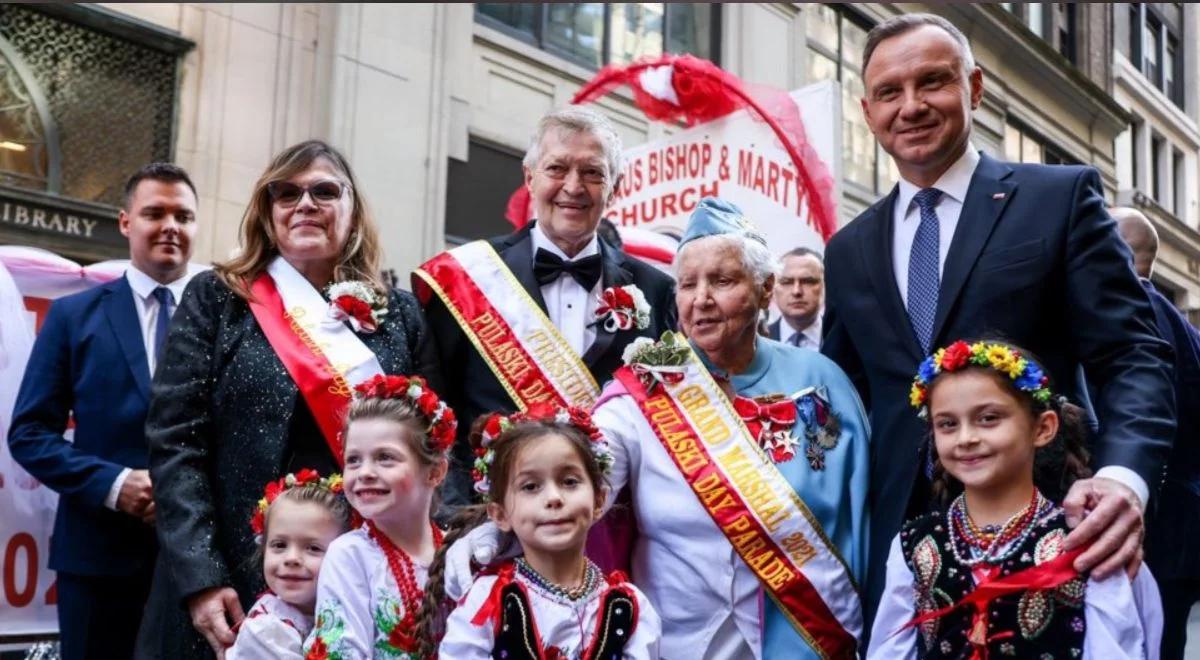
(570, 308)
(810, 337)
(954, 184)
(147, 310)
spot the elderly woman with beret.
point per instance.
(747, 463)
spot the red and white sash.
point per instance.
(516, 339)
(754, 506)
(324, 357)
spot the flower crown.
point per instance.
(442, 423)
(1025, 374)
(305, 477)
(498, 424)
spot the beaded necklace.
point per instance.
(592, 577)
(990, 539)
(401, 566)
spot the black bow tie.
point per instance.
(548, 267)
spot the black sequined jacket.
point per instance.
(225, 418)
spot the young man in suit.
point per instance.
(93, 361)
(967, 246)
(562, 268)
(1172, 545)
(800, 296)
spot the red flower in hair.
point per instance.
(427, 402)
(956, 356)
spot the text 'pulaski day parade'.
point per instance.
(599, 331)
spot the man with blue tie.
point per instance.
(93, 361)
(966, 246)
(799, 295)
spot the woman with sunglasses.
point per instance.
(259, 364)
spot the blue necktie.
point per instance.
(923, 277)
(165, 300)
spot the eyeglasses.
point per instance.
(286, 193)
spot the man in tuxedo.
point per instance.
(571, 170)
(799, 294)
(1172, 538)
(967, 246)
(92, 362)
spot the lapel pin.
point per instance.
(997, 195)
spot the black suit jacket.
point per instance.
(1035, 259)
(470, 387)
(1173, 520)
(89, 362)
(773, 329)
(225, 418)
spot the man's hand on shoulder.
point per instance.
(1108, 515)
(137, 495)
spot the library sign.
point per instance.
(59, 224)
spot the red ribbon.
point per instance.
(1054, 573)
(618, 305)
(491, 608)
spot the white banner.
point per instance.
(739, 159)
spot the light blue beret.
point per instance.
(716, 217)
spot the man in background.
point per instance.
(1172, 542)
(800, 296)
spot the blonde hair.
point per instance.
(361, 257)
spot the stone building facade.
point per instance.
(434, 103)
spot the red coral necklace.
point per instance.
(402, 635)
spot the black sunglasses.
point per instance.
(286, 193)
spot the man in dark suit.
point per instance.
(1173, 519)
(571, 169)
(967, 246)
(800, 295)
(92, 361)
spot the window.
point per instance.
(835, 44)
(596, 33)
(477, 192)
(1155, 33)
(1135, 145)
(1157, 183)
(1022, 145)
(1053, 22)
(105, 104)
(1177, 170)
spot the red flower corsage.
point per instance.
(356, 303)
(623, 308)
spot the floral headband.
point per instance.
(305, 477)
(442, 423)
(1025, 374)
(497, 424)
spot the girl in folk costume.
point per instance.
(543, 475)
(989, 576)
(295, 522)
(396, 437)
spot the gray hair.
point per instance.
(578, 119)
(756, 258)
(898, 25)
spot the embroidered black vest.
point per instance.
(1042, 624)
(517, 637)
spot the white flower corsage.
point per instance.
(623, 308)
(356, 302)
(654, 362)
